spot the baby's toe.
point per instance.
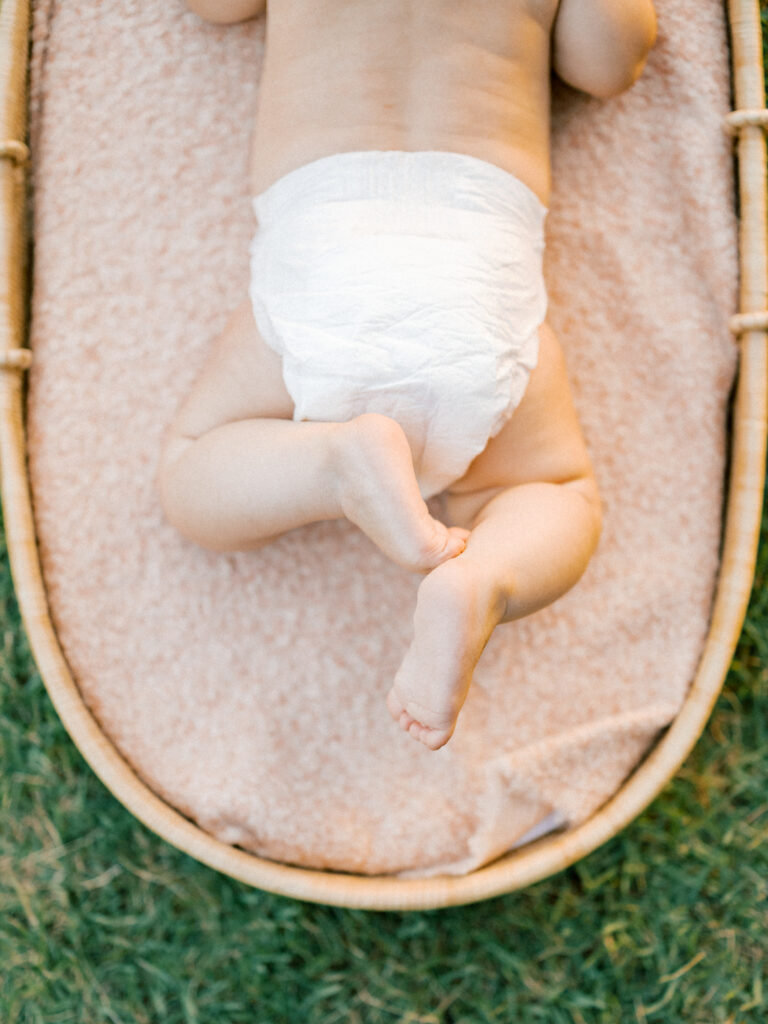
(436, 738)
(415, 729)
(394, 706)
(406, 722)
(432, 738)
(449, 542)
(398, 712)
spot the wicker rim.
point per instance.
(745, 494)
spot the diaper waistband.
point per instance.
(434, 177)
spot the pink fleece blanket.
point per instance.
(211, 672)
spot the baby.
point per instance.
(393, 345)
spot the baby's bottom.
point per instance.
(519, 528)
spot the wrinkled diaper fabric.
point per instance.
(407, 283)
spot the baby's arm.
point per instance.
(601, 46)
(226, 12)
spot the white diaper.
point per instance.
(403, 283)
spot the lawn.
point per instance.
(102, 921)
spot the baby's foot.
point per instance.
(453, 620)
(378, 492)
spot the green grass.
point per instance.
(101, 921)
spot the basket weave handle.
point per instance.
(16, 359)
(738, 119)
(17, 151)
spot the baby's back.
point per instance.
(469, 76)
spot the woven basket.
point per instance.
(741, 532)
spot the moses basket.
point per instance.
(547, 855)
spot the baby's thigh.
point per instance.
(541, 442)
(241, 378)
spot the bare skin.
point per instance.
(519, 528)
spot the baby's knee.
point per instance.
(586, 486)
(167, 476)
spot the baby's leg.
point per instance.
(237, 471)
(534, 510)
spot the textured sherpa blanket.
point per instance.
(220, 676)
